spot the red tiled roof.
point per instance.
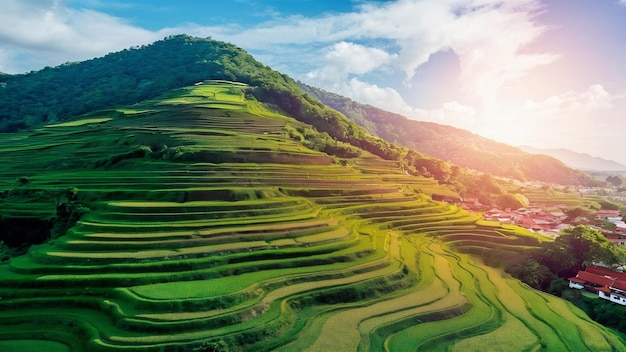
(594, 278)
(607, 212)
(576, 280)
(620, 285)
(598, 270)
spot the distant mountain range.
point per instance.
(581, 161)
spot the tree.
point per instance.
(578, 212)
(576, 248)
(614, 180)
(587, 246)
(510, 201)
(607, 225)
(608, 205)
(558, 286)
(533, 273)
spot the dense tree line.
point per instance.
(572, 250)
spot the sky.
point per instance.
(544, 73)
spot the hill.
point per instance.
(55, 94)
(204, 220)
(581, 161)
(451, 144)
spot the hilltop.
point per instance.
(205, 219)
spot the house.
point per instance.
(620, 228)
(471, 204)
(501, 216)
(606, 283)
(604, 214)
(447, 199)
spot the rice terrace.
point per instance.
(205, 224)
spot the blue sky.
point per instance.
(547, 73)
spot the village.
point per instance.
(598, 280)
(550, 220)
(550, 223)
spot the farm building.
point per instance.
(606, 283)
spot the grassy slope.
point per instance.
(210, 226)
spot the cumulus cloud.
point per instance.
(487, 35)
(452, 113)
(564, 105)
(354, 58)
(374, 95)
(51, 33)
(344, 59)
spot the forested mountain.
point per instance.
(132, 75)
(126, 77)
(451, 144)
(129, 76)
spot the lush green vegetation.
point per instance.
(52, 95)
(206, 221)
(606, 313)
(453, 145)
(574, 249)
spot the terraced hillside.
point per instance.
(211, 227)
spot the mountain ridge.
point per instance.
(576, 160)
(451, 144)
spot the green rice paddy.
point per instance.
(210, 229)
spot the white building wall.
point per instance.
(618, 299)
(576, 285)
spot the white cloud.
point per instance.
(584, 120)
(354, 58)
(51, 33)
(564, 105)
(344, 59)
(451, 113)
(489, 45)
(374, 95)
(487, 35)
